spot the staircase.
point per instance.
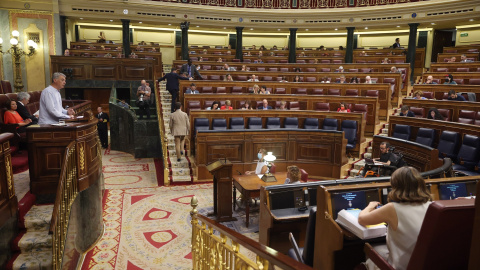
(33, 246)
(180, 172)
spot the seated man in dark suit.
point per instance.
(190, 69)
(454, 96)
(405, 111)
(192, 89)
(264, 106)
(23, 100)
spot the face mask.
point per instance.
(259, 155)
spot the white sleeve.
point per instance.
(52, 108)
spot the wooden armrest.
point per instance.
(379, 261)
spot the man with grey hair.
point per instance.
(51, 109)
(23, 98)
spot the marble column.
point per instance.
(63, 34)
(239, 48)
(412, 47)
(126, 37)
(349, 52)
(292, 46)
(184, 26)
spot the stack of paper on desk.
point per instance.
(349, 220)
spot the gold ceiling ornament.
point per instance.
(322, 3)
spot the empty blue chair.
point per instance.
(291, 122)
(237, 123)
(402, 132)
(273, 122)
(255, 123)
(330, 124)
(349, 127)
(468, 154)
(425, 136)
(310, 123)
(201, 124)
(219, 124)
(447, 145)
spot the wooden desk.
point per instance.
(249, 186)
(442, 56)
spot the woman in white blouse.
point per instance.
(261, 163)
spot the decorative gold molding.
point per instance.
(9, 173)
(81, 148)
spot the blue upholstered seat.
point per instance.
(201, 124)
(349, 127)
(291, 122)
(468, 155)
(425, 136)
(447, 145)
(310, 123)
(273, 122)
(255, 123)
(330, 124)
(402, 132)
(219, 124)
(237, 123)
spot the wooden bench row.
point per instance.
(455, 67)
(472, 78)
(384, 90)
(301, 115)
(457, 110)
(445, 57)
(439, 90)
(367, 105)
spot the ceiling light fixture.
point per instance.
(398, 25)
(140, 22)
(336, 29)
(433, 23)
(366, 27)
(471, 20)
(111, 20)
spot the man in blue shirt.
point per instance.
(192, 89)
(453, 96)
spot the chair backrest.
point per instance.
(371, 93)
(201, 124)
(267, 78)
(351, 92)
(360, 108)
(459, 81)
(207, 90)
(194, 105)
(349, 127)
(237, 90)
(310, 123)
(317, 91)
(447, 144)
(237, 123)
(303, 175)
(221, 90)
(463, 69)
(301, 61)
(477, 120)
(402, 132)
(273, 69)
(294, 105)
(255, 123)
(425, 136)
(442, 69)
(428, 95)
(241, 78)
(273, 122)
(214, 77)
(474, 81)
(325, 61)
(325, 70)
(333, 92)
(330, 124)
(6, 86)
(310, 79)
(290, 122)
(418, 111)
(469, 151)
(353, 70)
(206, 67)
(283, 69)
(337, 61)
(446, 113)
(445, 236)
(322, 106)
(466, 117)
(260, 69)
(311, 70)
(219, 124)
(300, 91)
(308, 249)
(280, 91)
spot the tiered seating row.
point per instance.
(382, 91)
(459, 77)
(440, 91)
(455, 111)
(366, 105)
(455, 67)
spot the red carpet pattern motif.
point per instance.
(147, 228)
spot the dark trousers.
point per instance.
(174, 94)
(144, 109)
(103, 134)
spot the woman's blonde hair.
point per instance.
(418, 92)
(408, 186)
(294, 173)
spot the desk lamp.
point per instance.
(268, 177)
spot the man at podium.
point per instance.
(51, 109)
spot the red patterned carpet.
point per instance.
(147, 228)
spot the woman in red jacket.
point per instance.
(12, 117)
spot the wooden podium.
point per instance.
(222, 189)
